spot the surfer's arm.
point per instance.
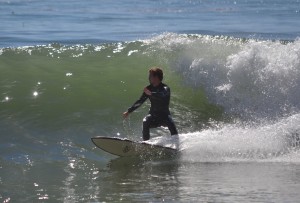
(138, 103)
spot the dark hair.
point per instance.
(156, 72)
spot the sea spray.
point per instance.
(257, 83)
(246, 77)
(239, 142)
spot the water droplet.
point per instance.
(72, 165)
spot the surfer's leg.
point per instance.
(171, 125)
(146, 127)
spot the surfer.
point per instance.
(159, 95)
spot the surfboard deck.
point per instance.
(127, 148)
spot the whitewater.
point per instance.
(257, 85)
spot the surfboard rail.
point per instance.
(124, 147)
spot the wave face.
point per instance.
(221, 84)
(58, 86)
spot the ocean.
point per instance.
(69, 69)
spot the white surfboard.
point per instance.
(126, 148)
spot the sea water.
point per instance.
(68, 69)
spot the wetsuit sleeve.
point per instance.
(138, 103)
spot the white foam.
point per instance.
(276, 142)
(264, 79)
(257, 80)
(247, 77)
(131, 52)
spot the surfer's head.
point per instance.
(156, 75)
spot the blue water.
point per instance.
(38, 22)
(69, 69)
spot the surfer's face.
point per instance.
(154, 80)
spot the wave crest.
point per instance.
(249, 78)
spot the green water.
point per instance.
(60, 90)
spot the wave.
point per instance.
(232, 99)
(248, 78)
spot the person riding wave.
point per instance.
(159, 95)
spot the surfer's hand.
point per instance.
(125, 114)
(147, 92)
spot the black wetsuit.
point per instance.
(159, 114)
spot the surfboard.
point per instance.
(127, 148)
